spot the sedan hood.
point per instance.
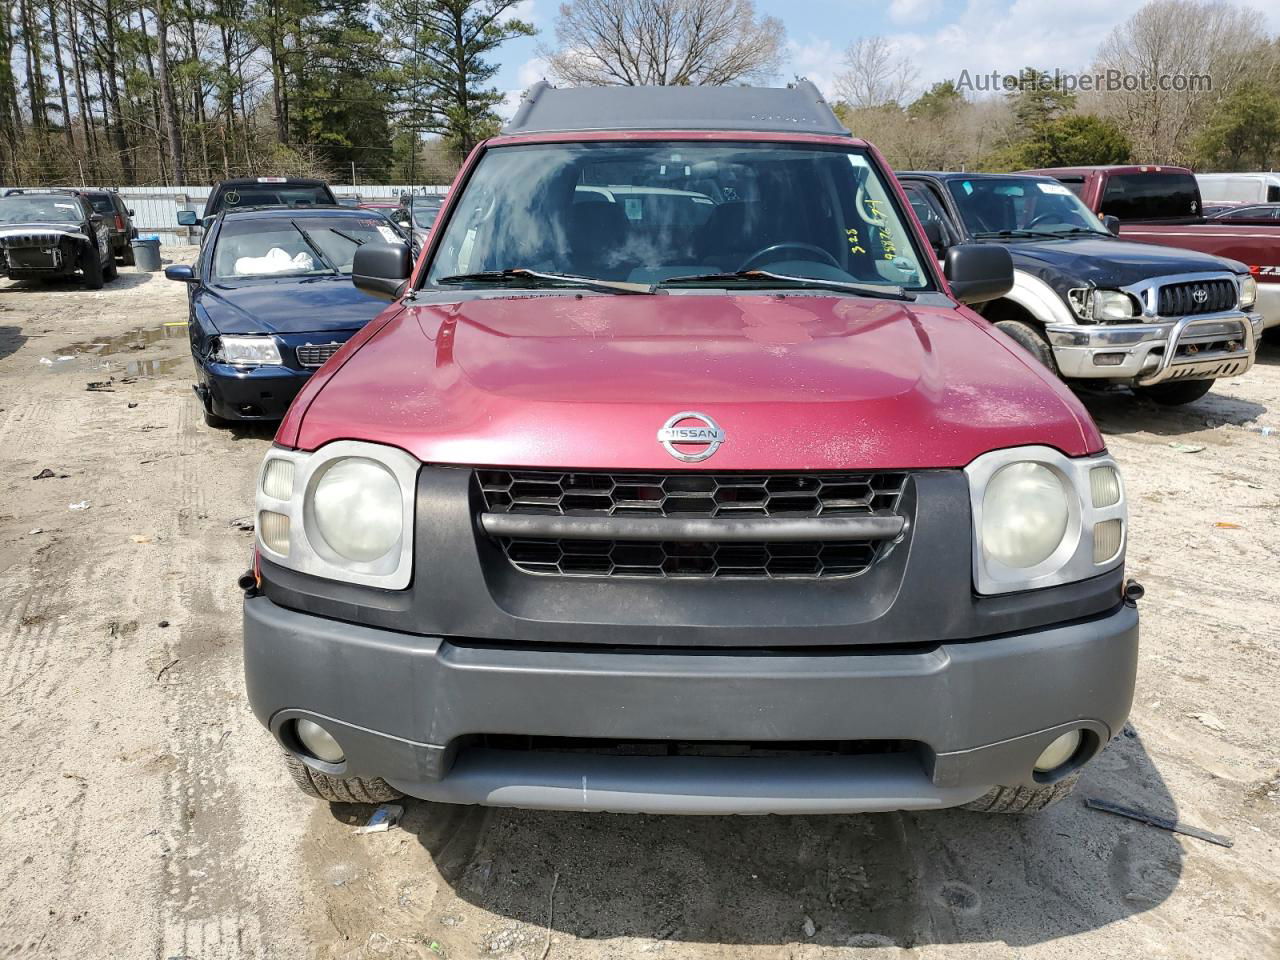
(796, 383)
(1107, 264)
(286, 305)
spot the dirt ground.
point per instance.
(147, 814)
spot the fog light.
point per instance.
(1108, 359)
(1058, 752)
(322, 746)
(1107, 536)
(274, 530)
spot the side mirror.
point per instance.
(186, 218)
(1112, 223)
(382, 269)
(180, 272)
(131, 211)
(933, 231)
(978, 272)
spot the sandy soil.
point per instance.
(147, 815)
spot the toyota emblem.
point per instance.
(1200, 295)
(690, 429)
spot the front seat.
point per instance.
(597, 232)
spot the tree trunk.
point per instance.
(62, 77)
(168, 107)
(116, 127)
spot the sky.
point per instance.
(943, 37)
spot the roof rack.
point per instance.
(796, 108)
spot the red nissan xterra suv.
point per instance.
(679, 479)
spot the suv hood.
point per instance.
(1108, 264)
(796, 383)
(27, 234)
(287, 305)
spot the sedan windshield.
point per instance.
(995, 206)
(295, 245)
(648, 212)
(37, 209)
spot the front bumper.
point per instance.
(1189, 348)
(248, 393)
(410, 708)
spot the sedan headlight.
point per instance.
(344, 512)
(1106, 306)
(1248, 292)
(1041, 518)
(248, 351)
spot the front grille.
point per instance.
(1195, 297)
(691, 496)
(315, 354)
(736, 749)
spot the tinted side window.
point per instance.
(1074, 184)
(1273, 194)
(1151, 196)
(101, 202)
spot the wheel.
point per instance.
(336, 789)
(211, 419)
(1029, 338)
(92, 267)
(1023, 800)
(126, 254)
(1176, 393)
(110, 271)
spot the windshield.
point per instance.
(649, 211)
(991, 206)
(271, 195)
(47, 209)
(295, 246)
(425, 211)
(1151, 196)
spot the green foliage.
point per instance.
(1244, 132)
(940, 101)
(1038, 100)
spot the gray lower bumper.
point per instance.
(402, 707)
(1191, 348)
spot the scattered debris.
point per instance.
(383, 819)
(47, 474)
(165, 668)
(1187, 447)
(1224, 525)
(1209, 720)
(32, 533)
(162, 624)
(140, 538)
(45, 361)
(100, 386)
(133, 404)
(1173, 826)
(82, 505)
(243, 523)
(810, 928)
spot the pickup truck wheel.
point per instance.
(336, 789)
(1023, 799)
(109, 271)
(92, 267)
(1176, 393)
(1030, 339)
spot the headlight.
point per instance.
(1248, 292)
(1041, 518)
(344, 512)
(248, 351)
(357, 507)
(1024, 515)
(1095, 305)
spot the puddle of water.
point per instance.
(93, 354)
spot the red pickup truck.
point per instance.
(1162, 205)
(678, 477)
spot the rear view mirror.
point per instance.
(1112, 223)
(186, 218)
(382, 269)
(978, 272)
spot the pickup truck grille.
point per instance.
(314, 355)
(1196, 296)
(691, 496)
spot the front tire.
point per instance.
(1031, 340)
(339, 789)
(1023, 800)
(109, 271)
(92, 266)
(1177, 393)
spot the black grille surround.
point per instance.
(691, 496)
(315, 354)
(1196, 297)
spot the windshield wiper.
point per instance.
(885, 292)
(346, 236)
(522, 276)
(1077, 231)
(314, 249)
(1001, 234)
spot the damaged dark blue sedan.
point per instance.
(271, 300)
